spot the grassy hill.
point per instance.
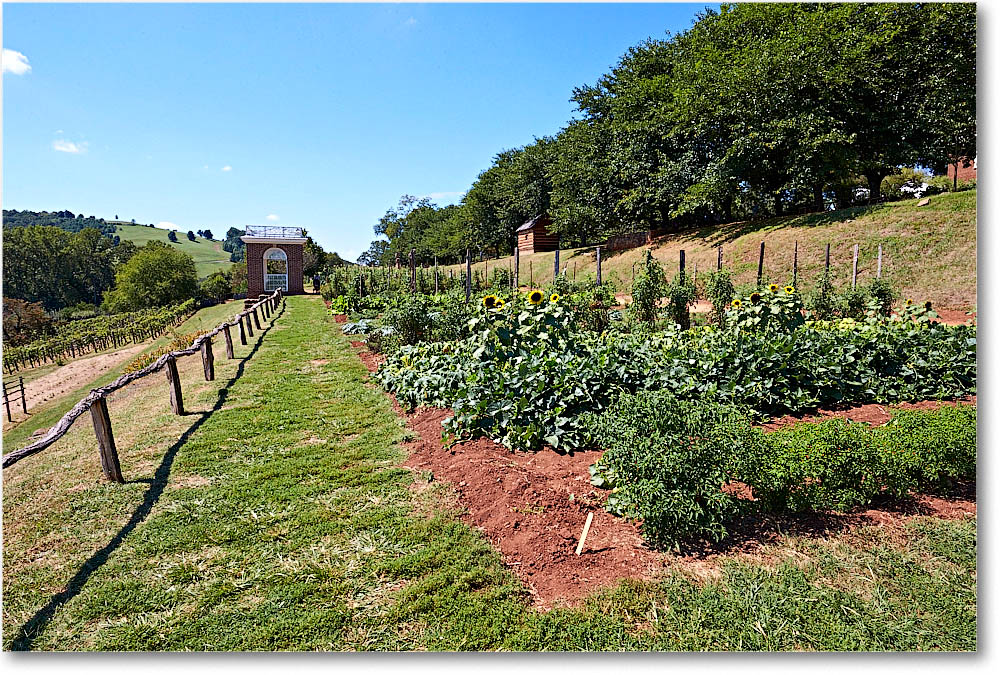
(208, 255)
(929, 252)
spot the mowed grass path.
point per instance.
(275, 516)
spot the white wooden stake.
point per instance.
(586, 530)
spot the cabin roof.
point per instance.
(531, 223)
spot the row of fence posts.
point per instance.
(99, 409)
(14, 389)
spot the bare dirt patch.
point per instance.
(74, 375)
(340, 318)
(874, 414)
(319, 362)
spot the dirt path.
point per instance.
(72, 376)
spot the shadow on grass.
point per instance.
(37, 623)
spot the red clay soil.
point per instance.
(340, 318)
(872, 413)
(532, 507)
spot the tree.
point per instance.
(190, 235)
(238, 278)
(23, 320)
(207, 234)
(172, 236)
(156, 276)
(217, 286)
(375, 254)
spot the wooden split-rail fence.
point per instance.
(13, 391)
(96, 401)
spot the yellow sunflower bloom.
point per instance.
(499, 304)
(773, 288)
(490, 301)
(755, 298)
(736, 303)
(789, 289)
(554, 297)
(535, 297)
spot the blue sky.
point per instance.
(312, 115)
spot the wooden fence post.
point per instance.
(878, 274)
(256, 319)
(6, 403)
(854, 268)
(413, 271)
(24, 401)
(795, 265)
(243, 332)
(598, 265)
(555, 269)
(468, 275)
(827, 268)
(229, 342)
(249, 324)
(174, 382)
(682, 261)
(208, 359)
(719, 264)
(760, 265)
(106, 440)
(435, 275)
(531, 275)
(517, 268)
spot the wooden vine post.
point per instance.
(517, 267)
(531, 275)
(229, 342)
(826, 269)
(106, 440)
(435, 275)
(760, 265)
(598, 265)
(208, 359)
(854, 268)
(174, 382)
(555, 268)
(682, 261)
(878, 273)
(718, 265)
(795, 265)
(468, 275)
(413, 271)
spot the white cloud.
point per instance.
(205, 167)
(59, 131)
(273, 217)
(227, 168)
(69, 146)
(15, 62)
(167, 225)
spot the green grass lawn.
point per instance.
(208, 255)
(275, 515)
(929, 252)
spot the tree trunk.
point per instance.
(818, 196)
(874, 178)
(777, 204)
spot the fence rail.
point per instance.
(95, 400)
(14, 390)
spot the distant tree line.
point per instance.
(755, 111)
(65, 220)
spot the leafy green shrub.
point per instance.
(773, 309)
(823, 302)
(681, 293)
(854, 302)
(647, 290)
(338, 305)
(409, 319)
(938, 447)
(833, 464)
(881, 296)
(720, 292)
(667, 459)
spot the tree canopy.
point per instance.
(156, 276)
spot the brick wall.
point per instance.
(966, 169)
(255, 267)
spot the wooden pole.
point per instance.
(854, 268)
(24, 401)
(229, 342)
(435, 275)
(174, 382)
(106, 441)
(243, 332)
(256, 319)
(760, 265)
(249, 325)
(682, 263)
(6, 403)
(208, 360)
(795, 265)
(694, 277)
(878, 274)
(468, 275)
(413, 271)
(517, 267)
(719, 264)
(598, 265)
(555, 269)
(827, 268)
(574, 271)
(531, 276)
(586, 531)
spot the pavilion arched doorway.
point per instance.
(275, 270)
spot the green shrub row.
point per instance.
(668, 461)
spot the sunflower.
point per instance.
(927, 305)
(490, 301)
(554, 297)
(909, 301)
(535, 297)
(755, 298)
(736, 303)
(789, 289)
(773, 288)
(499, 304)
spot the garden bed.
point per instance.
(532, 507)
